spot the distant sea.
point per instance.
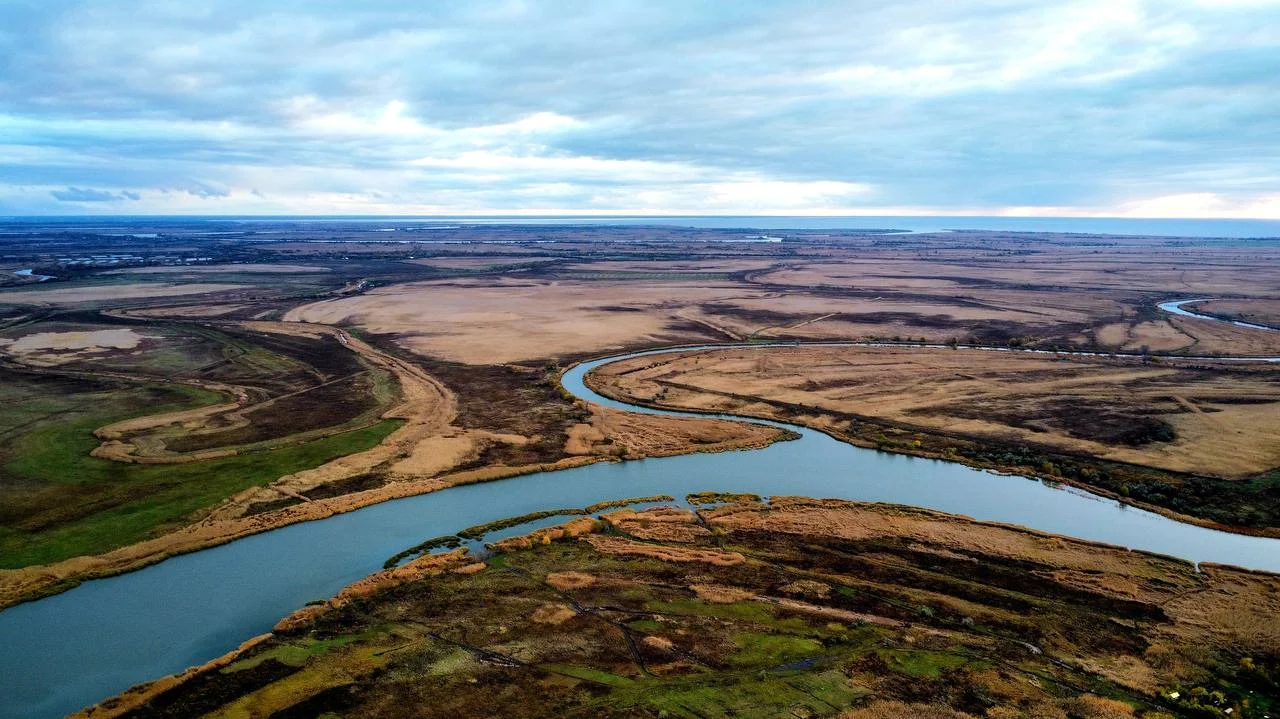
(1090, 225)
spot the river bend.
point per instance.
(67, 651)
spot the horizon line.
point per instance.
(633, 215)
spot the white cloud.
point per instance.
(1016, 106)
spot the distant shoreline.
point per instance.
(915, 224)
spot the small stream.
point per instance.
(67, 651)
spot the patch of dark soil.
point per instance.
(210, 690)
(510, 400)
(359, 483)
(1083, 418)
(937, 321)
(333, 700)
(325, 355)
(764, 318)
(270, 505)
(55, 384)
(1233, 400)
(327, 405)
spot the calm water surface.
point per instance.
(67, 651)
(1178, 307)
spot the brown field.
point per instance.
(77, 295)
(250, 267)
(212, 310)
(632, 436)
(1156, 336)
(798, 608)
(1223, 422)
(49, 348)
(478, 263)
(1058, 292)
(512, 320)
(1225, 339)
(700, 265)
(1109, 267)
(305, 249)
(1265, 312)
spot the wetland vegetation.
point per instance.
(170, 389)
(799, 608)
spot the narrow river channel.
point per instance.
(67, 651)
(1178, 307)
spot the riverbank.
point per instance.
(438, 442)
(820, 605)
(676, 437)
(895, 399)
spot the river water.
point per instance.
(67, 651)
(1177, 307)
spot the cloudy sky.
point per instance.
(1164, 108)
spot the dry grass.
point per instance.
(506, 320)
(249, 267)
(626, 547)
(1265, 312)
(1214, 337)
(77, 295)
(720, 594)
(49, 349)
(1158, 336)
(566, 581)
(1202, 268)
(553, 614)
(478, 263)
(610, 432)
(184, 311)
(1226, 423)
(1060, 293)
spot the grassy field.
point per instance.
(59, 502)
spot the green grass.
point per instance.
(141, 500)
(296, 653)
(757, 649)
(921, 663)
(587, 673)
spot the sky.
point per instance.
(1166, 108)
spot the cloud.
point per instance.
(1097, 106)
(206, 190)
(77, 194)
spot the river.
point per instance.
(1177, 307)
(64, 652)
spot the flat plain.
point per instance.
(185, 390)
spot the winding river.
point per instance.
(67, 651)
(1177, 307)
